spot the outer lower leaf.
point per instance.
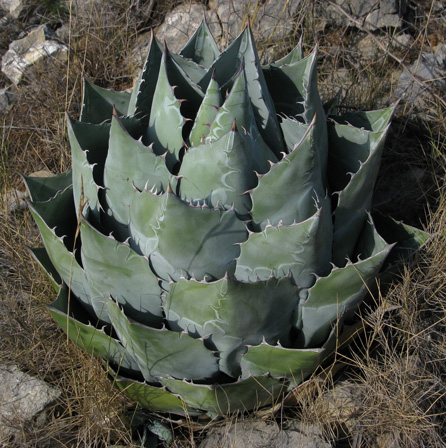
(349, 148)
(156, 222)
(160, 351)
(43, 189)
(130, 164)
(87, 337)
(407, 239)
(42, 258)
(46, 216)
(165, 121)
(201, 47)
(373, 121)
(115, 270)
(353, 204)
(206, 113)
(217, 400)
(235, 314)
(141, 100)
(280, 362)
(303, 249)
(342, 291)
(98, 103)
(228, 164)
(287, 193)
(155, 399)
(243, 50)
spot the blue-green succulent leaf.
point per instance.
(237, 109)
(355, 200)
(98, 103)
(201, 47)
(206, 113)
(243, 52)
(48, 215)
(228, 164)
(42, 189)
(160, 351)
(281, 362)
(114, 269)
(165, 122)
(340, 293)
(288, 192)
(302, 249)
(140, 103)
(156, 222)
(235, 314)
(130, 164)
(155, 398)
(223, 399)
(41, 256)
(89, 338)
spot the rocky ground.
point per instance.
(378, 52)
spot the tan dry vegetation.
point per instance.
(398, 364)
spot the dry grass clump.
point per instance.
(398, 366)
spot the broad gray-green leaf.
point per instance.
(294, 90)
(303, 249)
(237, 109)
(228, 164)
(162, 352)
(142, 95)
(373, 121)
(85, 189)
(42, 189)
(154, 398)
(194, 71)
(165, 121)
(98, 103)
(201, 47)
(157, 221)
(93, 340)
(288, 191)
(280, 362)
(47, 217)
(354, 201)
(243, 51)
(186, 90)
(349, 148)
(116, 270)
(223, 399)
(235, 314)
(206, 113)
(41, 256)
(341, 292)
(130, 164)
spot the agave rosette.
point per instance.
(215, 229)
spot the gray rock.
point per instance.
(181, 23)
(431, 75)
(23, 399)
(272, 21)
(256, 434)
(380, 14)
(37, 49)
(12, 7)
(8, 96)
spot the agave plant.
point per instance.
(215, 232)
